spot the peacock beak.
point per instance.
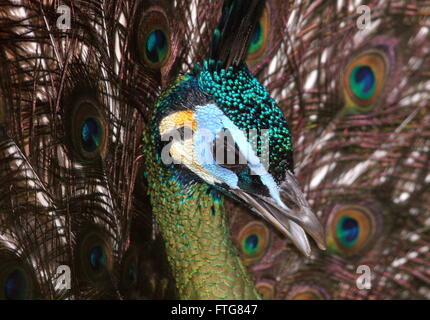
(291, 214)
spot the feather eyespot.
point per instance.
(88, 129)
(266, 289)
(253, 241)
(16, 281)
(95, 256)
(154, 43)
(351, 229)
(307, 292)
(364, 80)
(129, 274)
(156, 46)
(259, 38)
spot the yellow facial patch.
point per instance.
(177, 120)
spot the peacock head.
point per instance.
(221, 126)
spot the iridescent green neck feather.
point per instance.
(204, 261)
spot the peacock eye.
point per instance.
(226, 151)
(348, 231)
(307, 292)
(254, 241)
(16, 280)
(266, 289)
(251, 244)
(88, 130)
(95, 256)
(15, 285)
(91, 134)
(259, 39)
(154, 39)
(156, 46)
(364, 80)
(351, 229)
(129, 270)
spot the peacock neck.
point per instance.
(204, 261)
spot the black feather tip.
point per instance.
(232, 37)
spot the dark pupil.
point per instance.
(91, 134)
(350, 227)
(365, 76)
(15, 286)
(252, 242)
(98, 258)
(256, 34)
(226, 151)
(156, 46)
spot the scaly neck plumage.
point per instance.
(204, 261)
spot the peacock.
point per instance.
(223, 149)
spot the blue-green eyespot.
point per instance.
(154, 43)
(259, 38)
(364, 80)
(350, 229)
(254, 241)
(88, 130)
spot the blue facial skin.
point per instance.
(243, 100)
